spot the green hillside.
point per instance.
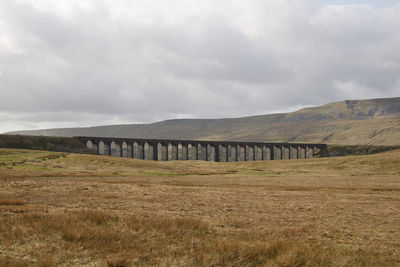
(350, 122)
(50, 143)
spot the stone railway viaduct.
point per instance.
(220, 151)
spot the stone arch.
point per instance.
(89, 144)
(241, 152)
(309, 152)
(112, 148)
(222, 152)
(268, 153)
(159, 148)
(101, 148)
(129, 149)
(201, 152)
(124, 149)
(209, 153)
(258, 153)
(107, 148)
(286, 152)
(95, 146)
(189, 152)
(137, 154)
(146, 151)
(162, 151)
(180, 154)
(300, 152)
(229, 156)
(172, 151)
(278, 153)
(249, 153)
(115, 147)
(293, 152)
(231, 152)
(194, 152)
(185, 150)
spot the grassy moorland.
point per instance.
(60, 209)
(49, 143)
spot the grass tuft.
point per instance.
(12, 202)
(95, 216)
(118, 262)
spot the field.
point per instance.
(61, 209)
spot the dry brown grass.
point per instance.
(11, 202)
(103, 211)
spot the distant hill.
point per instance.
(350, 122)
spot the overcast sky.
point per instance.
(67, 63)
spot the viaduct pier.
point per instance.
(220, 151)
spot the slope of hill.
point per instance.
(372, 122)
(50, 143)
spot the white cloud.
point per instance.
(142, 61)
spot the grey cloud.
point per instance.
(128, 61)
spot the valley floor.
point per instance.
(59, 209)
